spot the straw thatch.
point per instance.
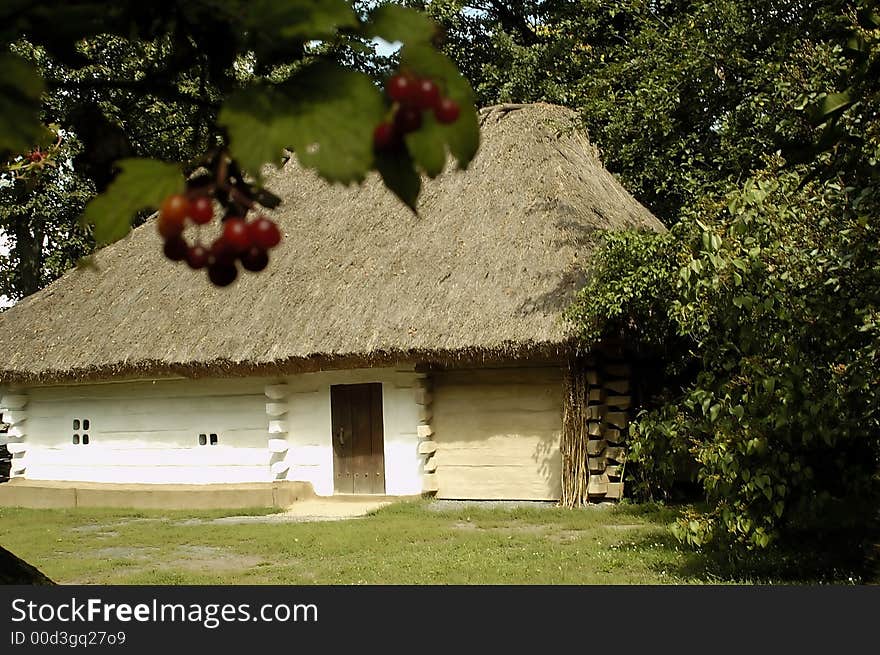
(483, 272)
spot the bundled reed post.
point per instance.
(575, 435)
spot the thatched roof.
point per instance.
(484, 271)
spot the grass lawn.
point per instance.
(406, 543)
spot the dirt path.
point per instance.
(312, 509)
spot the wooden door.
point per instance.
(358, 438)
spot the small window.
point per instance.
(83, 424)
(203, 439)
(213, 439)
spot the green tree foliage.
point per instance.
(770, 288)
(41, 199)
(176, 81)
(680, 96)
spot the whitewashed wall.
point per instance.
(147, 432)
(498, 433)
(310, 455)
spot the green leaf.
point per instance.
(857, 46)
(400, 176)
(253, 119)
(831, 104)
(395, 23)
(20, 90)
(299, 20)
(141, 184)
(427, 146)
(333, 131)
(325, 113)
(714, 410)
(835, 102)
(707, 402)
(463, 136)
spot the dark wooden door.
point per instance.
(358, 438)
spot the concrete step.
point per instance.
(50, 494)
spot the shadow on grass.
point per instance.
(849, 555)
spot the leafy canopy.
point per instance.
(680, 96)
(764, 297)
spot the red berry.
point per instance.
(35, 156)
(221, 253)
(447, 111)
(169, 228)
(254, 259)
(174, 208)
(175, 249)
(197, 256)
(201, 210)
(385, 137)
(264, 233)
(427, 94)
(235, 233)
(172, 214)
(222, 274)
(400, 88)
(407, 119)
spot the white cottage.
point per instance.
(380, 352)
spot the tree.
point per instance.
(41, 199)
(152, 92)
(680, 96)
(769, 287)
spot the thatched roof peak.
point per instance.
(485, 270)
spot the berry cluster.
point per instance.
(411, 96)
(240, 240)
